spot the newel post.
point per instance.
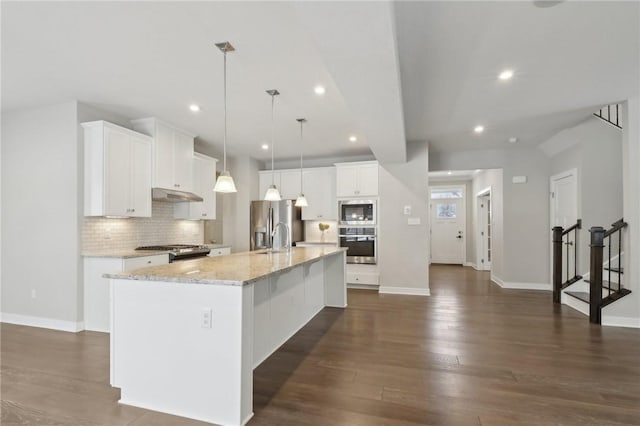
(595, 274)
(557, 263)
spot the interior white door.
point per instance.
(564, 212)
(484, 233)
(447, 230)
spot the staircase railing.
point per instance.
(601, 238)
(563, 237)
(612, 114)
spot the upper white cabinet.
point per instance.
(172, 154)
(117, 171)
(289, 184)
(357, 179)
(320, 190)
(204, 179)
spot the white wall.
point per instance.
(525, 251)
(41, 198)
(594, 148)
(403, 249)
(236, 206)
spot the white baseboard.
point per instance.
(473, 265)
(612, 321)
(363, 286)
(521, 286)
(40, 322)
(410, 291)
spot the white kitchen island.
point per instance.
(186, 336)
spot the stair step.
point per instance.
(580, 295)
(616, 270)
(615, 296)
(571, 281)
(608, 285)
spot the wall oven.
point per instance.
(361, 244)
(357, 212)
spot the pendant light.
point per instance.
(301, 201)
(224, 183)
(272, 193)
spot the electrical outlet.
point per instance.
(407, 210)
(205, 318)
(34, 294)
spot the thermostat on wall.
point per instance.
(519, 179)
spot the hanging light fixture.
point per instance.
(272, 193)
(224, 183)
(301, 201)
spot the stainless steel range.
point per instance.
(180, 251)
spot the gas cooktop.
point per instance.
(179, 251)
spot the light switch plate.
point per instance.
(519, 179)
(413, 221)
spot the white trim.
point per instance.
(40, 322)
(479, 239)
(410, 291)
(574, 303)
(521, 286)
(612, 321)
(471, 264)
(552, 180)
(357, 286)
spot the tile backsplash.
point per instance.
(100, 233)
(313, 234)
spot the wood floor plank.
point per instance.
(470, 354)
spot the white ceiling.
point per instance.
(567, 59)
(451, 175)
(425, 68)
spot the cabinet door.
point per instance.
(320, 190)
(290, 184)
(163, 161)
(117, 166)
(183, 162)
(265, 182)
(368, 179)
(346, 181)
(140, 177)
(207, 182)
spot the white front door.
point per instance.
(564, 213)
(448, 222)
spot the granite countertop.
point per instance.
(217, 246)
(235, 269)
(123, 253)
(318, 242)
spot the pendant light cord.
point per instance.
(273, 139)
(224, 142)
(301, 144)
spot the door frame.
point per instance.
(552, 179)
(464, 225)
(479, 237)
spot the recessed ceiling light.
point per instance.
(513, 140)
(505, 75)
(478, 129)
(194, 107)
(353, 139)
(449, 172)
(265, 146)
(319, 90)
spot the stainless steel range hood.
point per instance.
(173, 196)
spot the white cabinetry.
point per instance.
(204, 179)
(172, 154)
(96, 288)
(289, 184)
(357, 179)
(117, 171)
(320, 190)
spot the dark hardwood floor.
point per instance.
(471, 354)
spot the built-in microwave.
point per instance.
(357, 212)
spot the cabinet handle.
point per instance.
(319, 216)
(133, 210)
(204, 214)
(177, 185)
(148, 261)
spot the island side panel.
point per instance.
(165, 360)
(335, 280)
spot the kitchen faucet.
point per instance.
(273, 233)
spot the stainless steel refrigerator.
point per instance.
(265, 215)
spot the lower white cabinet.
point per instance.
(220, 251)
(363, 276)
(96, 288)
(204, 179)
